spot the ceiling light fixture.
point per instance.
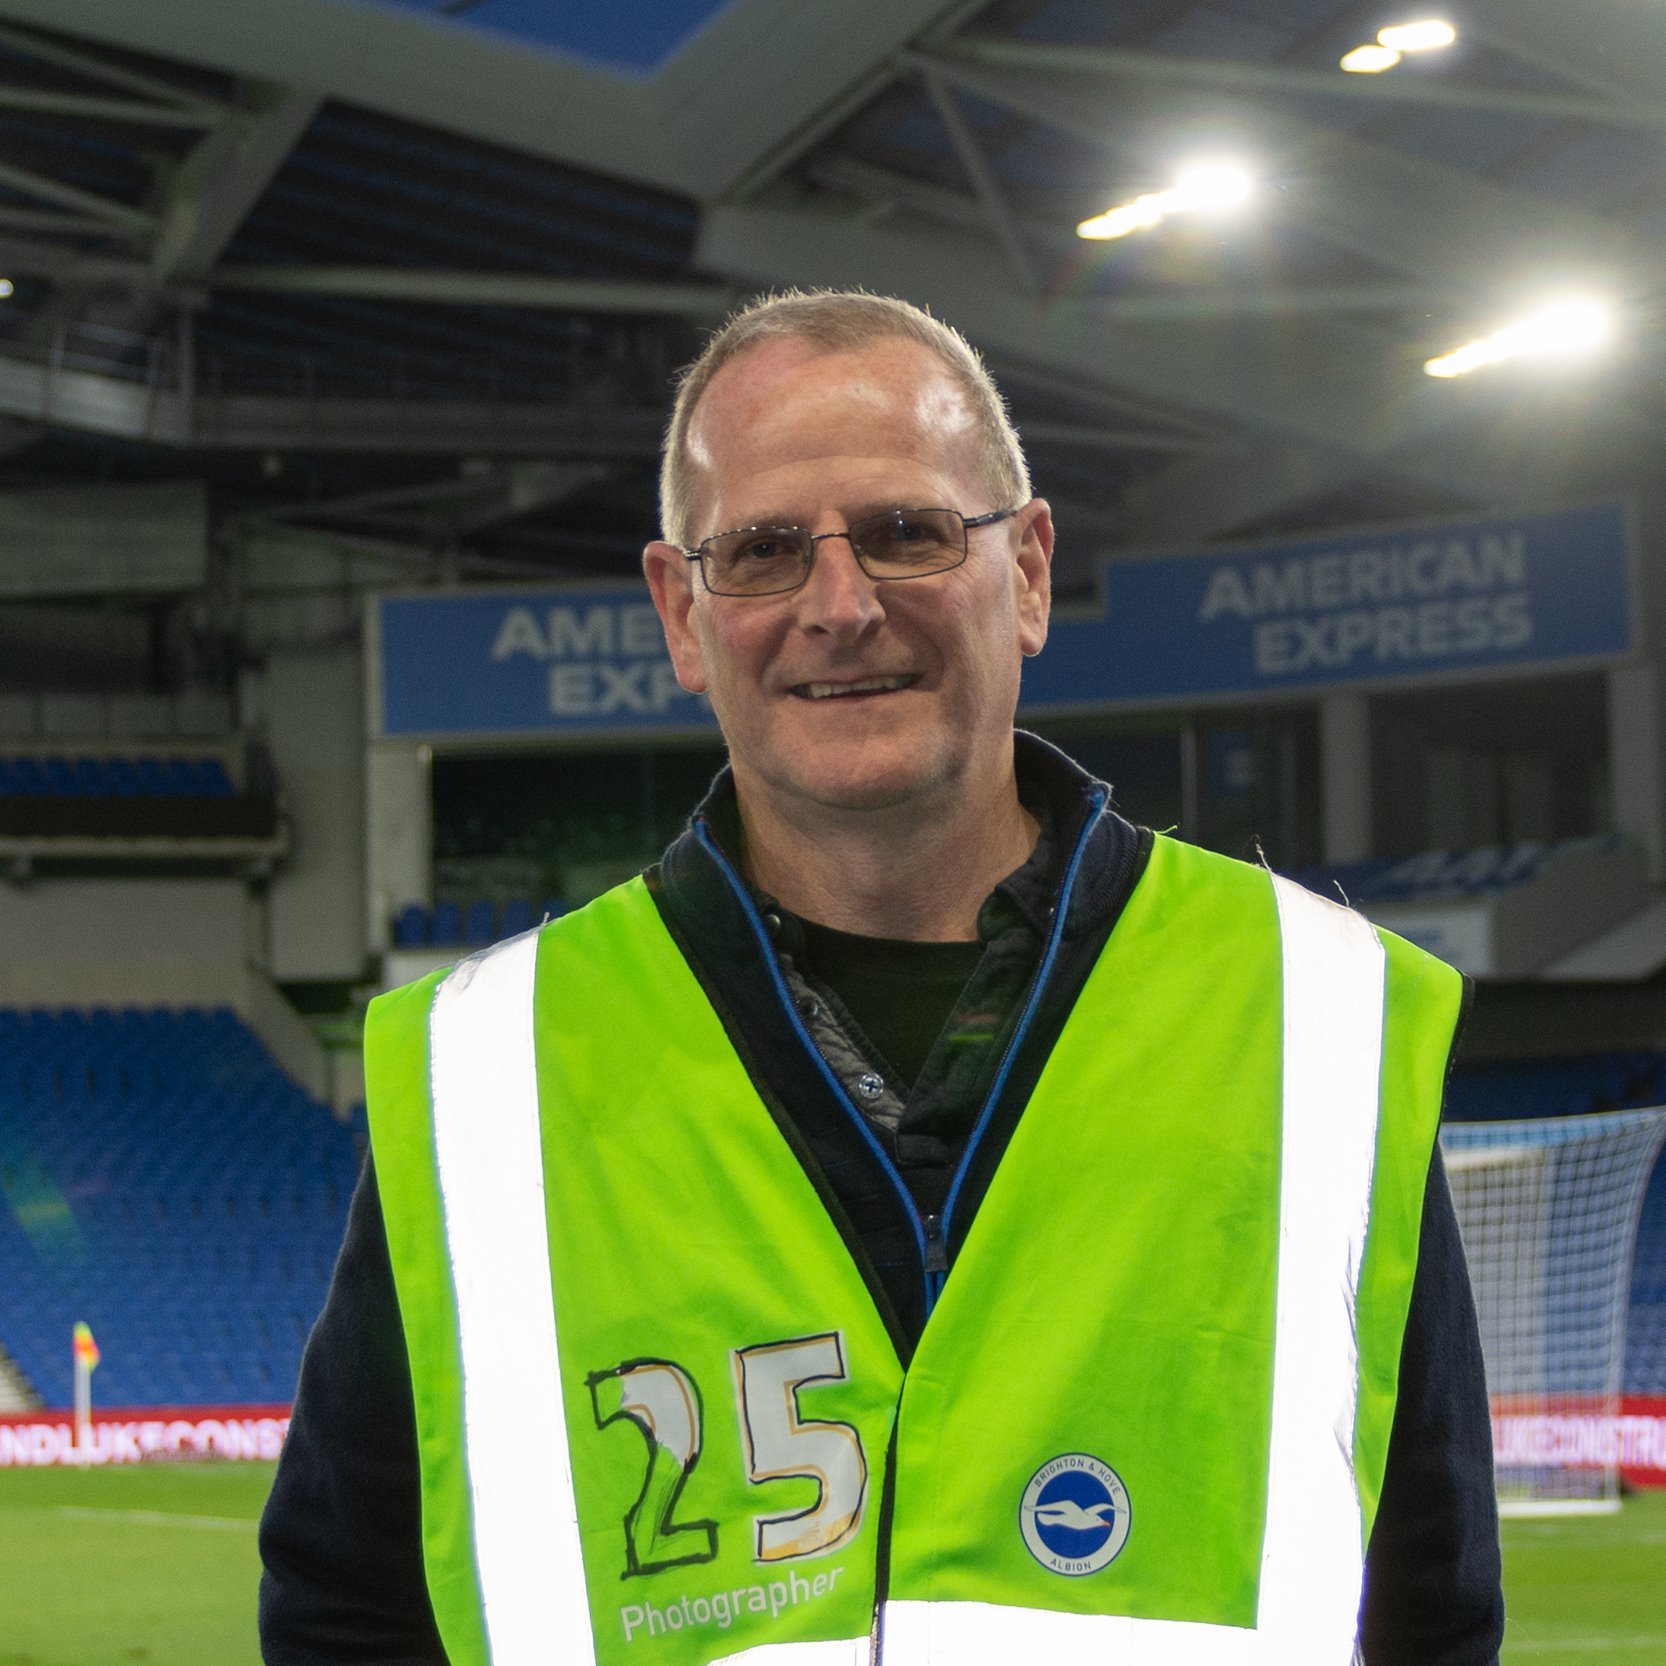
(1426, 34)
(1565, 329)
(1200, 187)
(1370, 60)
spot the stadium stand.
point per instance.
(456, 924)
(166, 1182)
(142, 776)
(1442, 874)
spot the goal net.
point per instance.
(1548, 1209)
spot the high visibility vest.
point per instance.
(661, 1419)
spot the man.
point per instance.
(929, 1219)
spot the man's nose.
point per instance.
(838, 596)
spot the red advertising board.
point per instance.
(134, 1435)
(1570, 1434)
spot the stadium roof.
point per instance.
(421, 273)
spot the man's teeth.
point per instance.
(865, 685)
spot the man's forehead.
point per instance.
(891, 377)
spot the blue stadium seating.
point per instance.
(161, 1178)
(142, 776)
(479, 929)
(472, 925)
(445, 925)
(410, 927)
(1444, 874)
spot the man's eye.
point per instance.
(763, 548)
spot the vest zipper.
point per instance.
(898, 1185)
(931, 1232)
(937, 1257)
(1032, 1000)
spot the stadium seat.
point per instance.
(446, 925)
(410, 927)
(478, 924)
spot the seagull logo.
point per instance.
(1066, 1512)
(1074, 1516)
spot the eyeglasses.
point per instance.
(897, 544)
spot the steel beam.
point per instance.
(100, 404)
(97, 68)
(1090, 437)
(983, 180)
(120, 214)
(498, 289)
(216, 186)
(1119, 64)
(55, 224)
(80, 106)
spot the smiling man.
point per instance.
(926, 1218)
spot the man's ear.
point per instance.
(1035, 570)
(670, 578)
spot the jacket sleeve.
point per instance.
(1433, 1593)
(341, 1537)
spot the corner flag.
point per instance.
(86, 1350)
(87, 1357)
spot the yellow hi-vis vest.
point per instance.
(660, 1417)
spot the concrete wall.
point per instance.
(314, 710)
(400, 834)
(157, 942)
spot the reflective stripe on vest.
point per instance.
(522, 1535)
(491, 1178)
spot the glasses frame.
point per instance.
(968, 525)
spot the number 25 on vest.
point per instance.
(664, 1404)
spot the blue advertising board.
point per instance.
(568, 659)
(1430, 601)
(1426, 601)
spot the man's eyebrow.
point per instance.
(859, 512)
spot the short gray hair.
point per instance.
(839, 321)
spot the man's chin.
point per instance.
(867, 789)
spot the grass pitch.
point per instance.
(1581, 1587)
(156, 1566)
(153, 1565)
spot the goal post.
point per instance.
(1548, 1208)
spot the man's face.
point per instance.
(789, 435)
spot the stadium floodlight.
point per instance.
(1200, 187)
(1370, 60)
(1548, 1210)
(7, 287)
(1428, 34)
(1566, 329)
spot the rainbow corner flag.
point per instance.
(86, 1350)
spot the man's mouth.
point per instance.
(860, 685)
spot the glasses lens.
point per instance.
(905, 543)
(756, 560)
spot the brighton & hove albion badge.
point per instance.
(1074, 1515)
